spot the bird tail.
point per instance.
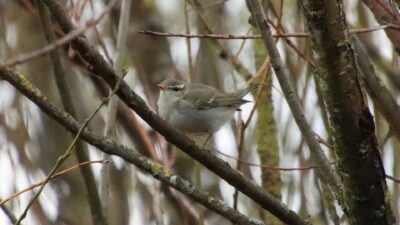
(234, 99)
(241, 93)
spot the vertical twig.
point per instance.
(109, 130)
(188, 42)
(263, 71)
(66, 98)
(326, 172)
(67, 153)
(8, 213)
(197, 166)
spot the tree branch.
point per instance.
(244, 37)
(70, 169)
(62, 86)
(378, 92)
(325, 171)
(112, 107)
(100, 67)
(110, 147)
(60, 42)
(384, 13)
(359, 163)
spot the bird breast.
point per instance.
(191, 120)
(183, 116)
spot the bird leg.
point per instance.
(207, 139)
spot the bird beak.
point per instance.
(162, 87)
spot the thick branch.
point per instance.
(110, 147)
(353, 131)
(386, 13)
(325, 171)
(100, 67)
(387, 104)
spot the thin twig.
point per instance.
(397, 180)
(70, 169)
(188, 42)
(100, 38)
(60, 76)
(217, 3)
(60, 42)
(263, 71)
(325, 172)
(123, 27)
(156, 170)
(232, 36)
(323, 141)
(135, 102)
(241, 47)
(280, 28)
(267, 166)
(225, 53)
(67, 153)
(10, 215)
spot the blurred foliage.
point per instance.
(30, 142)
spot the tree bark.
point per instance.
(353, 130)
(100, 67)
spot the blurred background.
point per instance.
(262, 141)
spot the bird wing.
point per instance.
(201, 100)
(206, 97)
(207, 100)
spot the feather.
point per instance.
(213, 98)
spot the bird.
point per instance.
(198, 108)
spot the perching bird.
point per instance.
(198, 108)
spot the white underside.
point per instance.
(180, 115)
(203, 121)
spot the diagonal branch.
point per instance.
(105, 172)
(93, 197)
(67, 153)
(365, 194)
(8, 213)
(70, 169)
(110, 147)
(60, 42)
(325, 171)
(100, 67)
(387, 104)
(384, 13)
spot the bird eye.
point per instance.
(175, 89)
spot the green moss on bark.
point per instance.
(265, 135)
